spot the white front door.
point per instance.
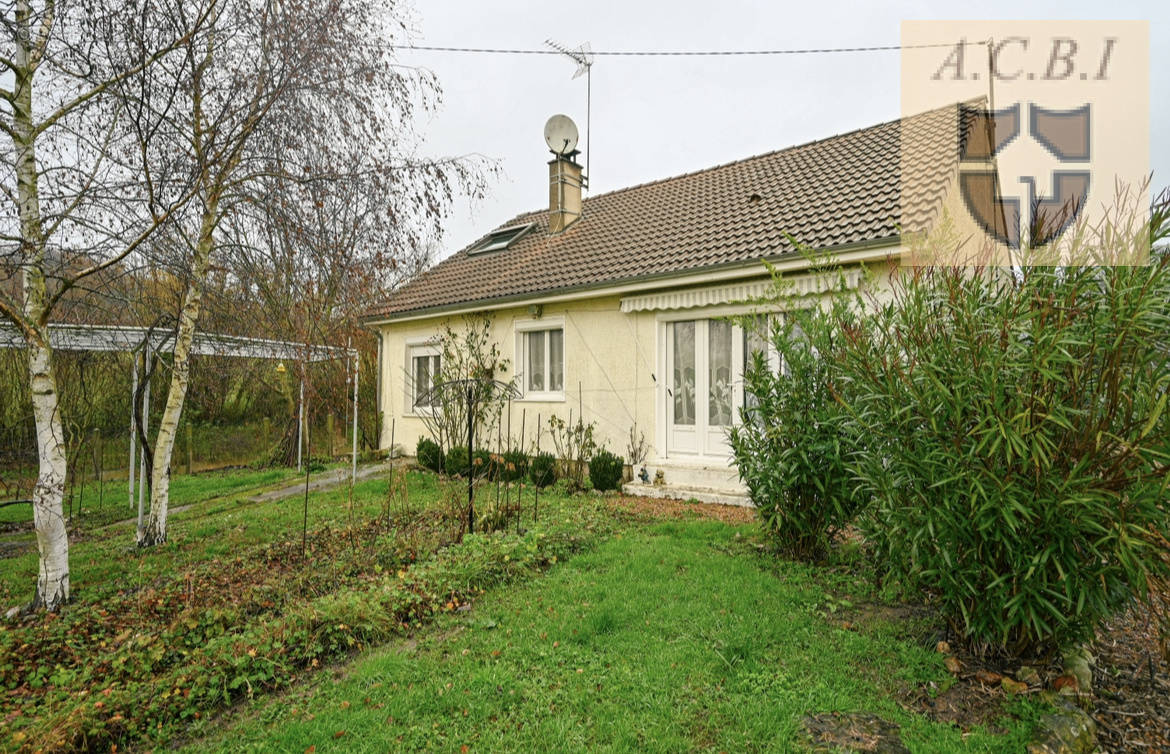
(704, 360)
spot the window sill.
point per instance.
(541, 398)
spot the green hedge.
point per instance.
(429, 454)
(605, 471)
(543, 469)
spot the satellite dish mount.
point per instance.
(560, 134)
(583, 57)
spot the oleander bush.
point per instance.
(792, 445)
(1018, 442)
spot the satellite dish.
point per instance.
(560, 133)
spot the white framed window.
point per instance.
(423, 366)
(540, 349)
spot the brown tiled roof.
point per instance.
(830, 193)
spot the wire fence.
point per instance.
(97, 462)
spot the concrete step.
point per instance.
(684, 492)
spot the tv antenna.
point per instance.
(582, 55)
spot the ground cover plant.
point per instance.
(230, 607)
(670, 636)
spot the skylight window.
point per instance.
(501, 239)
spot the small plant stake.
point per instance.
(536, 486)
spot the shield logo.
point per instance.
(1063, 134)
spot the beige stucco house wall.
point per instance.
(637, 288)
(616, 359)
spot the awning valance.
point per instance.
(745, 292)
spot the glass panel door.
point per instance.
(683, 398)
(684, 373)
(719, 383)
(704, 358)
(723, 355)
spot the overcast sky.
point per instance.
(657, 117)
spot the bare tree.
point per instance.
(75, 206)
(296, 124)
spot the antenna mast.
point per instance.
(583, 57)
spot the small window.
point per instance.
(425, 366)
(500, 239)
(543, 368)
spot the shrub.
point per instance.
(575, 445)
(791, 446)
(1021, 444)
(605, 471)
(543, 470)
(515, 465)
(456, 461)
(429, 454)
(484, 463)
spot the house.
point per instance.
(617, 303)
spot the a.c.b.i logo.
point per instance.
(1025, 217)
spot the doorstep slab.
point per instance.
(678, 492)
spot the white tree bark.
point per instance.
(48, 511)
(155, 530)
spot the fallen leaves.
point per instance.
(988, 677)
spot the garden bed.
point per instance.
(233, 607)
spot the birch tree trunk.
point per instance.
(155, 531)
(48, 514)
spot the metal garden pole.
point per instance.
(470, 466)
(300, 420)
(536, 482)
(353, 473)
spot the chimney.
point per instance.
(564, 192)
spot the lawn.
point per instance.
(238, 603)
(642, 635)
(110, 501)
(670, 637)
(98, 554)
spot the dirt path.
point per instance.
(323, 481)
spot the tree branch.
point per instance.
(84, 97)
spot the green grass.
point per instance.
(673, 637)
(230, 606)
(113, 495)
(102, 559)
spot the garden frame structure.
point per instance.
(145, 342)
